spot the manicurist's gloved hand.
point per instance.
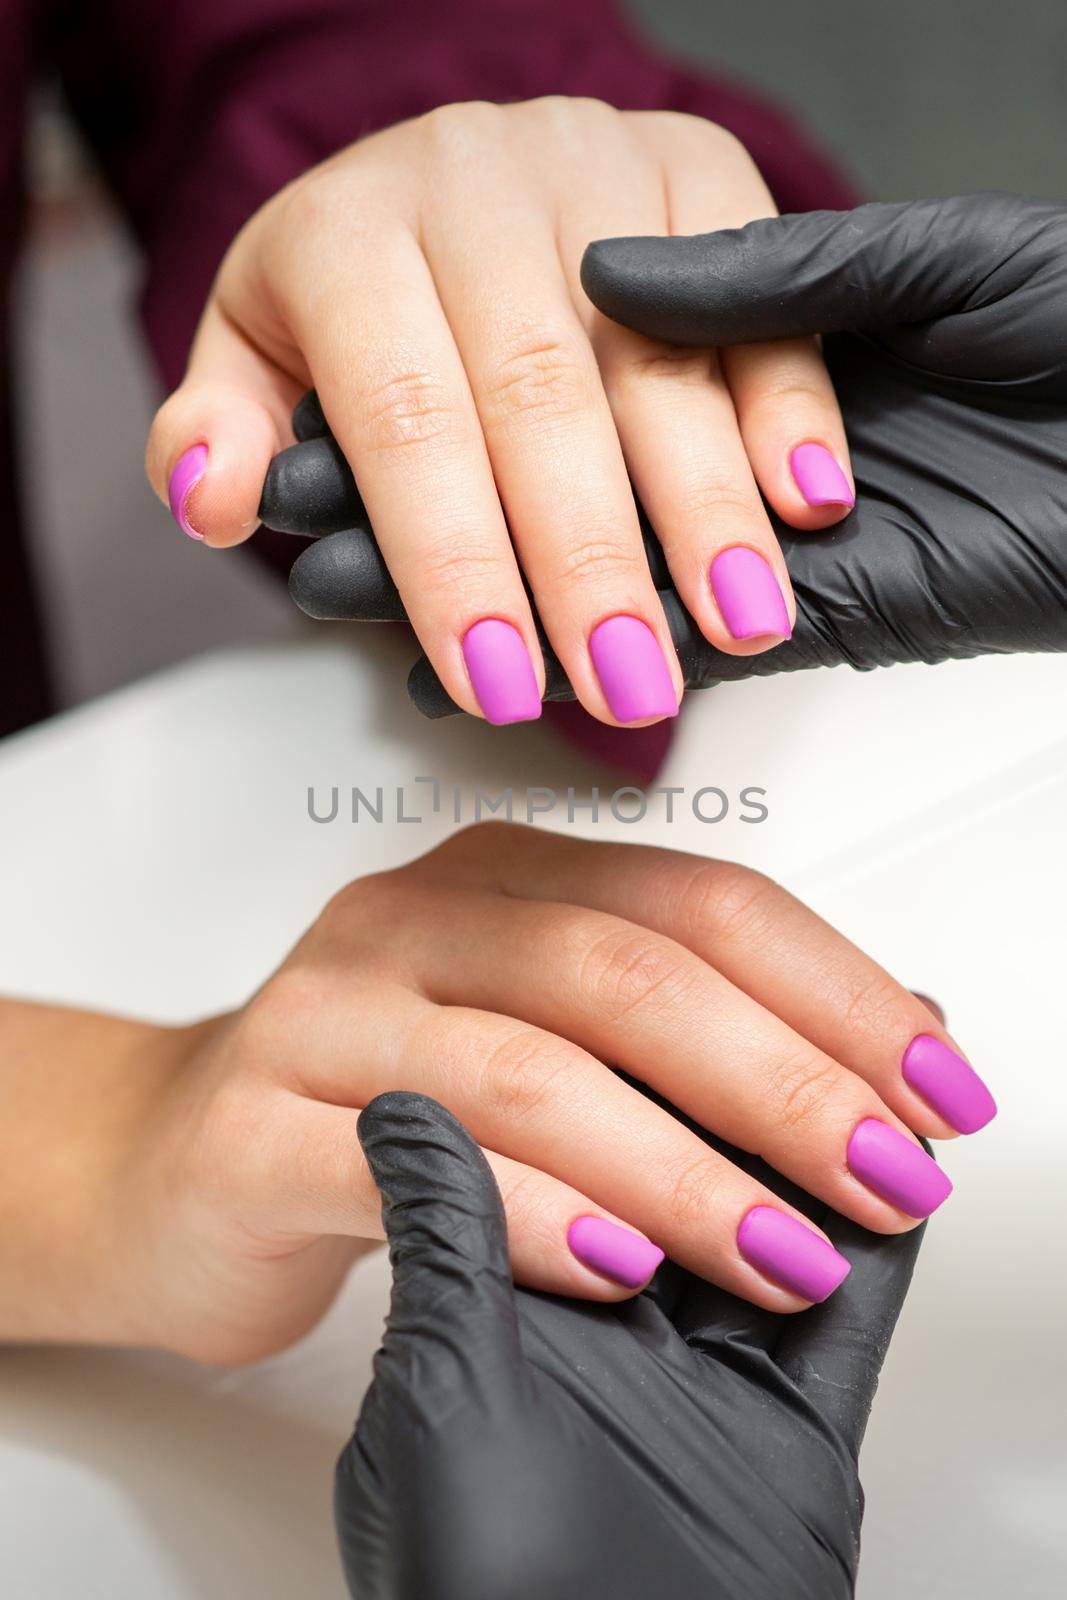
(515, 1446)
(946, 339)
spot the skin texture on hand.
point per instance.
(515, 1446)
(946, 333)
(202, 1188)
(426, 279)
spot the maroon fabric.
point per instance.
(198, 110)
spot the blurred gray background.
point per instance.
(923, 97)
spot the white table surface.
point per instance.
(156, 857)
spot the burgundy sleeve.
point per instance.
(199, 110)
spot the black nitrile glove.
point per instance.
(947, 343)
(518, 1446)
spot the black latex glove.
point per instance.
(947, 324)
(515, 1446)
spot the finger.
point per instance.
(552, 442)
(212, 440)
(649, 1005)
(344, 578)
(350, 582)
(321, 1180)
(309, 421)
(834, 1354)
(771, 947)
(814, 272)
(784, 402)
(546, 1103)
(675, 415)
(400, 408)
(309, 489)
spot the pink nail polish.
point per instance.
(794, 1256)
(501, 672)
(633, 674)
(897, 1169)
(819, 478)
(616, 1253)
(748, 594)
(949, 1083)
(183, 480)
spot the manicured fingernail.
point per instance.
(749, 595)
(819, 478)
(616, 1253)
(633, 674)
(949, 1083)
(896, 1168)
(782, 1248)
(501, 672)
(183, 480)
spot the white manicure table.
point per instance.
(157, 857)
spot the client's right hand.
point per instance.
(505, 974)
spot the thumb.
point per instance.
(814, 272)
(452, 1319)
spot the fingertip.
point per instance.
(208, 455)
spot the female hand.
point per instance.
(426, 280)
(501, 974)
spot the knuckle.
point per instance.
(693, 1190)
(803, 1088)
(593, 559)
(679, 364)
(525, 1072)
(703, 499)
(622, 972)
(409, 409)
(727, 900)
(446, 563)
(870, 1002)
(543, 375)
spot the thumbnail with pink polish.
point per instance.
(896, 1168)
(633, 674)
(614, 1252)
(748, 594)
(819, 478)
(794, 1256)
(183, 480)
(948, 1083)
(501, 672)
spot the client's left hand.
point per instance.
(515, 1445)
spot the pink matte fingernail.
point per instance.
(748, 594)
(819, 478)
(616, 1253)
(501, 672)
(183, 480)
(897, 1169)
(632, 670)
(796, 1257)
(948, 1083)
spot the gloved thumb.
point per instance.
(452, 1319)
(878, 266)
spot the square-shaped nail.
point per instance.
(896, 1168)
(819, 478)
(748, 594)
(614, 1252)
(501, 672)
(633, 673)
(948, 1083)
(188, 471)
(796, 1257)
